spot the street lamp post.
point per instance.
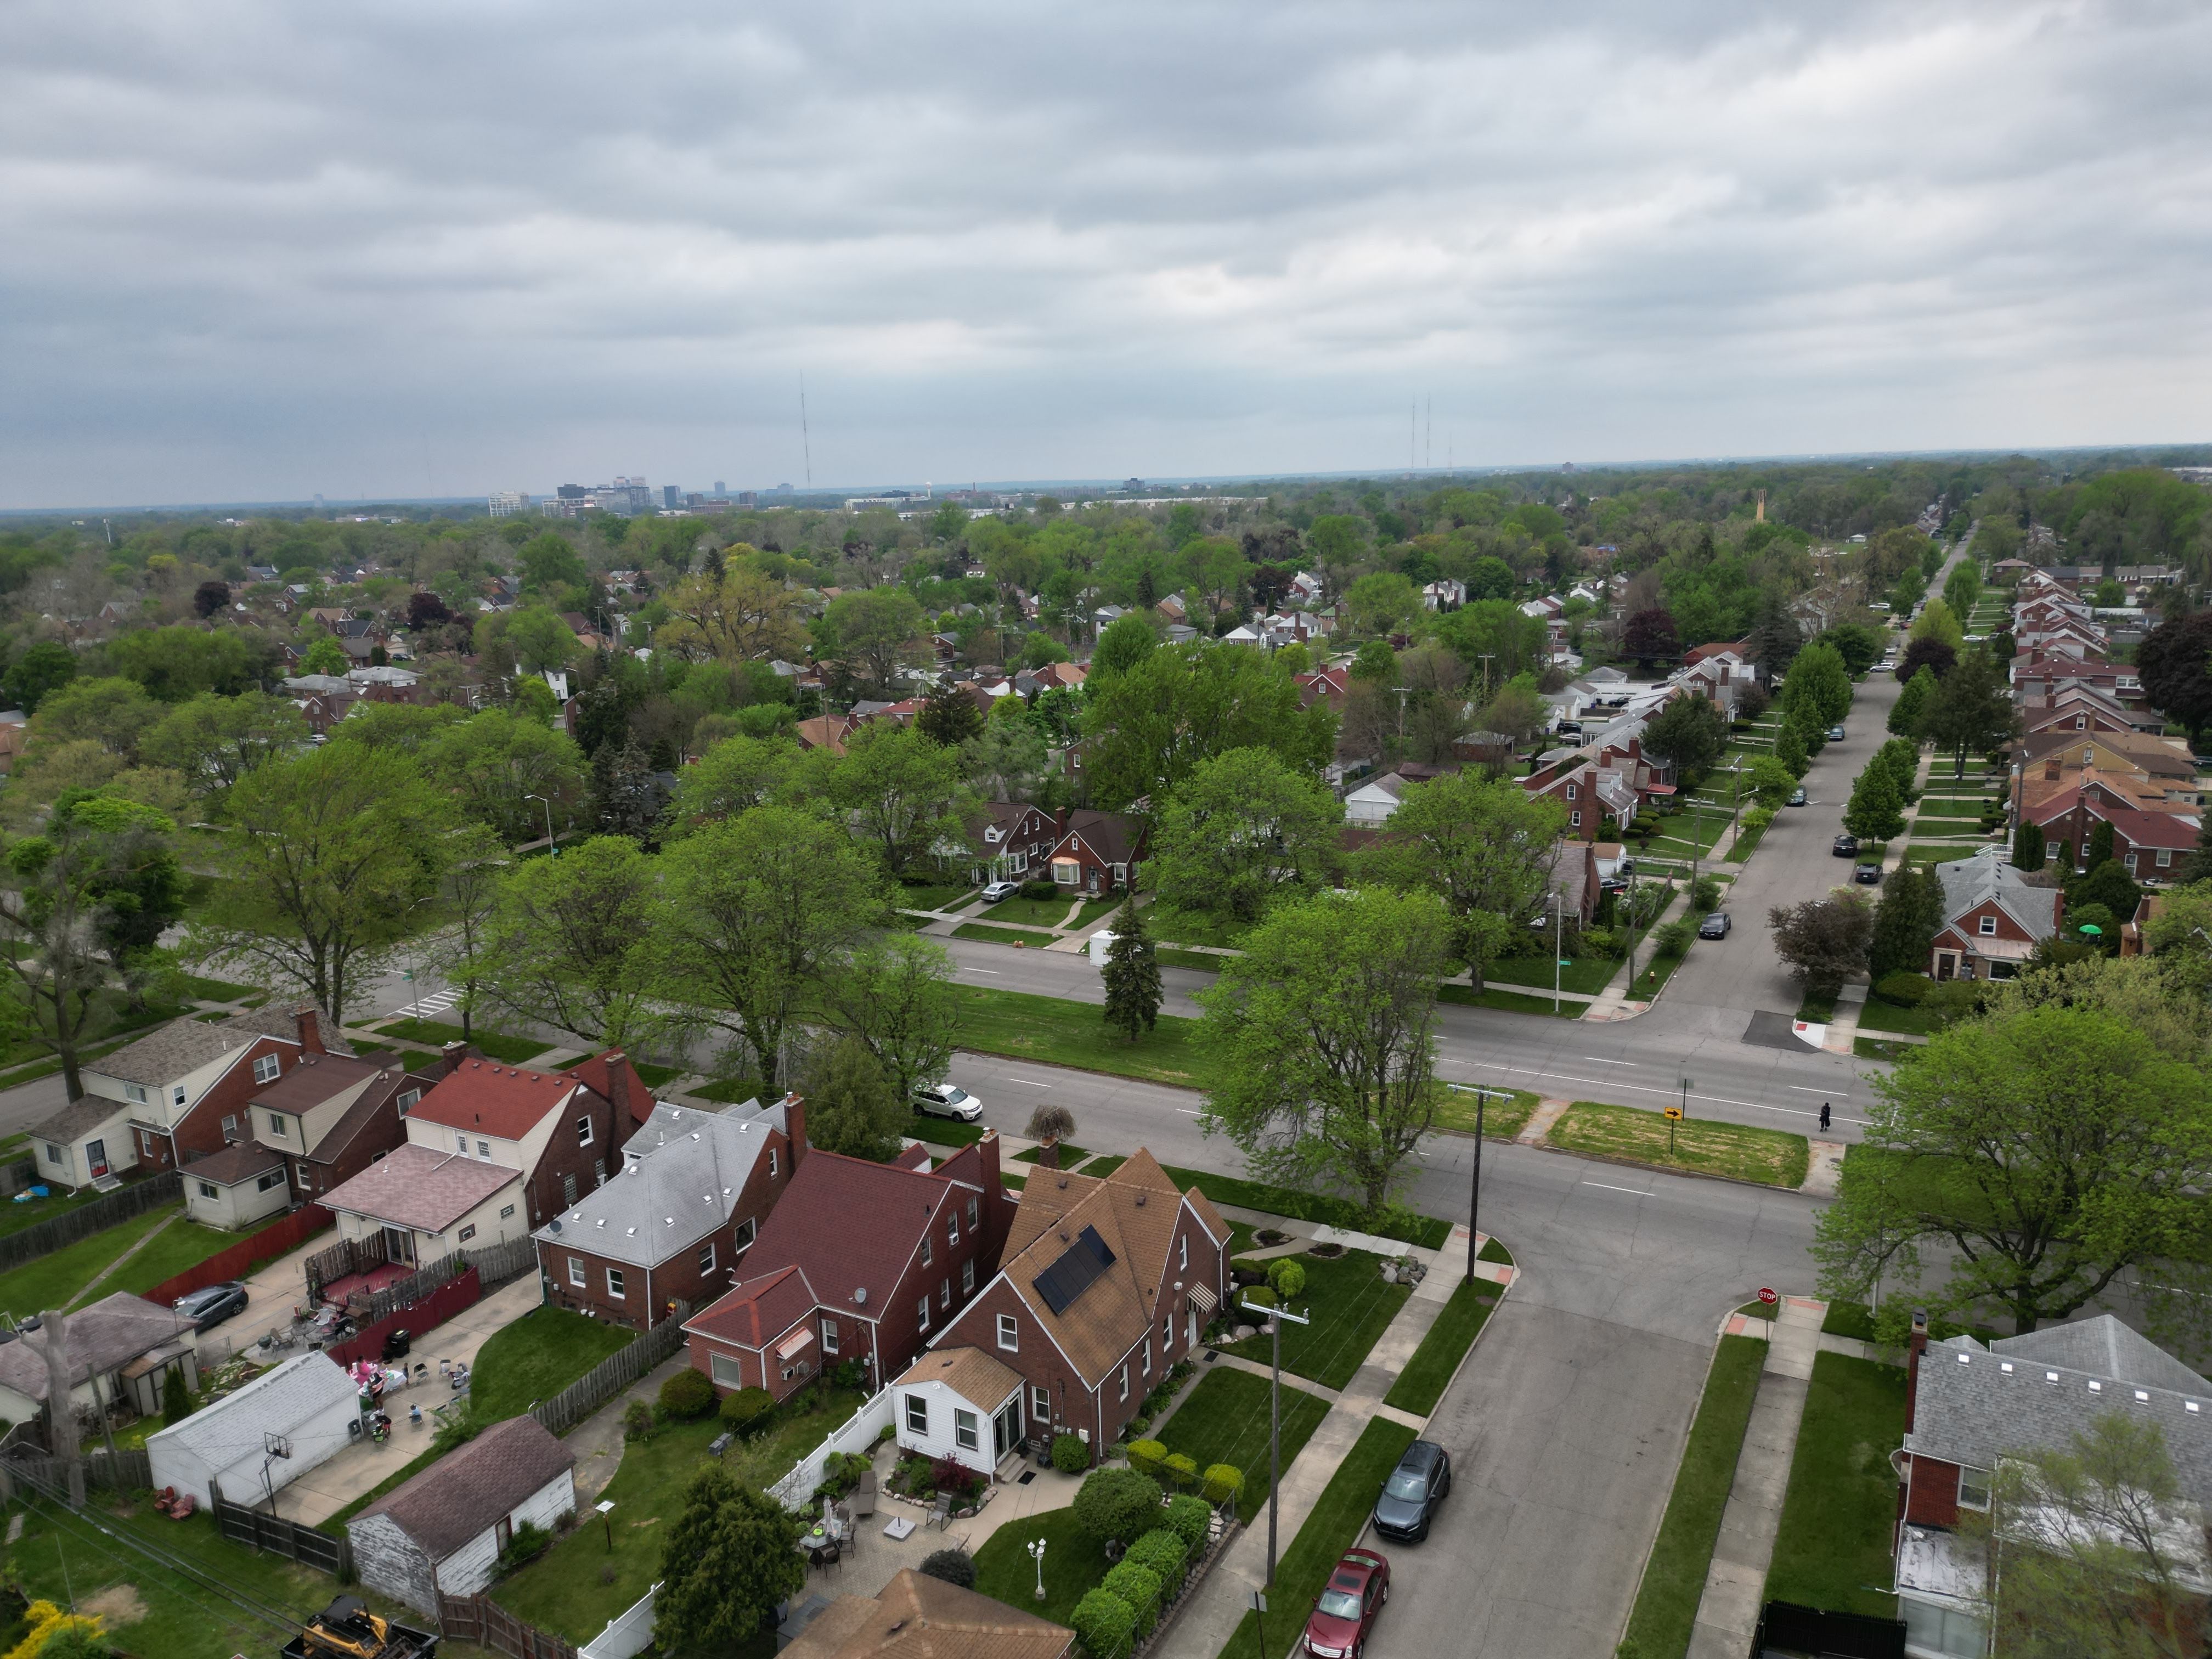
(551, 851)
(1275, 1317)
(1474, 1188)
(1559, 942)
(1036, 1555)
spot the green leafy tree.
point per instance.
(2175, 663)
(1771, 781)
(1819, 689)
(115, 714)
(1322, 1035)
(549, 563)
(568, 946)
(1775, 639)
(541, 639)
(1382, 603)
(1008, 762)
(733, 776)
(850, 1105)
(755, 911)
(1690, 731)
(333, 849)
(1824, 941)
(2099, 849)
(325, 655)
(1485, 847)
(88, 896)
(902, 794)
(728, 1561)
(175, 664)
(1789, 748)
(1975, 715)
(1152, 726)
(46, 666)
(2047, 1148)
(894, 994)
(212, 741)
(1909, 713)
(493, 763)
(1132, 975)
(1241, 831)
(1876, 809)
(1859, 646)
(1904, 923)
(1126, 641)
(1516, 644)
(472, 865)
(875, 633)
(1938, 622)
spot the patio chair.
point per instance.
(862, 1502)
(941, 1511)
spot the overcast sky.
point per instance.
(256, 250)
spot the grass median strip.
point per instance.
(1771, 1157)
(1833, 1545)
(1060, 1032)
(432, 1034)
(1674, 1577)
(1311, 1206)
(1422, 1383)
(1502, 1119)
(1337, 1517)
(1511, 1002)
(976, 930)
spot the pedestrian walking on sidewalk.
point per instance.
(1823, 1114)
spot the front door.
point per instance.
(1007, 1428)
(96, 1158)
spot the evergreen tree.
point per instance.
(1910, 712)
(728, 1560)
(2198, 864)
(1132, 975)
(176, 1401)
(1775, 638)
(949, 716)
(1904, 923)
(624, 798)
(850, 1106)
(2028, 846)
(2100, 844)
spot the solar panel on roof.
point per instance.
(1072, 1275)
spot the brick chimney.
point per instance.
(1048, 1156)
(450, 1058)
(308, 1020)
(1915, 1346)
(618, 1088)
(795, 1115)
(987, 1151)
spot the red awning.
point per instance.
(795, 1342)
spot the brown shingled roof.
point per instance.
(918, 1616)
(470, 1490)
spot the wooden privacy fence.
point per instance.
(348, 1256)
(129, 1470)
(611, 1376)
(15, 1176)
(288, 1233)
(101, 1213)
(278, 1536)
(480, 1620)
(501, 1264)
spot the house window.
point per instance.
(177, 1096)
(952, 1229)
(583, 1130)
(505, 1210)
(924, 1306)
(146, 1141)
(2165, 858)
(944, 1293)
(967, 1276)
(1067, 872)
(1182, 1251)
(1041, 1407)
(407, 1099)
(615, 1283)
(567, 1189)
(599, 1172)
(577, 1276)
(1973, 1489)
(726, 1372)
(1989, 927)
(925, 1250)
(771, 1164)
(461, 1143)
(2050, 849)
(484, 1149)
(971, 1212)
(1571, 791)
(1010, 1331)
(2129, 860)
(1148, 1353)
(54, 1155)
(1167, 1333)
(206, 1190)
(230, 1127)
(266, 1067)
(917, 1415)
(468, 1233)
(1124, 1394)
(828, 1336)
(741, 1236)
(707, 1257)
(274, 1178)
(1574, 820)
(1120, 874)
(963, 1430)
(135, 1092)
(276, 1125)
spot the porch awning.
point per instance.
(795, 1343)
(1201, 1298)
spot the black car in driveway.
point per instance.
(1847, 847)
(210, 1305)
(1715, 926)
(1412, 1493)
(1868, 875)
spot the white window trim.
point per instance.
(1010, 1334)
(829, 1336)
(577, 1275)
(617, 1286)
(735, 1377)
(917, 1405)
(583, 1130)
(925, 1313)
(1988, 926)
(1965, 1503)
(966, 1429)
(707, 1257)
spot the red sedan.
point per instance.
(1343, 1614)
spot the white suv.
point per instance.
(947, 1100)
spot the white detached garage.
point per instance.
(260, 1439)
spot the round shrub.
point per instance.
(747, 1410)
(1286, 1276)
(1117, 1504)
(1189, 1519)
(1904, 990)
(1254, 1273)
(1070, 1455)
(1102, 1621)
(953, 1566)
(1223, 1482)
(1181, 1469)
(687, 1395)
(1145, 1456)
(1137, 1587)
(1165, 1553)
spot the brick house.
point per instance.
(1993, 916)
(1097, 852)
(2157, 765)
(177, 1093)
(492, 1151)
(2150, 845)
(1014, 843)
(858, 1260)
(315, 1128)
(2081, 709)
(694, 1189)
(1590, 790)
(1966, 1406)
(1105, 1284)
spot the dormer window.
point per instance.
(266, 1067)
(1989, 927)
(134, 1093)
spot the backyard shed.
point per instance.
(263, 1437)
(442, 1531)
(106, 1341)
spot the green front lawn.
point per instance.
(976, 930)
(1070, 1155)
(1879, 1016)
(220, 990)
(54, 1280)
(1175, 926)
(731, 1091)
(1422, 1383)
(1587, 973)
(576, 1587)
(1350, 1307)
(1330, 1211)
(1073, 1565)
(433, 1034)
(1329, 1531)
(1104, 1166)
(1513, 1002)
(1037, 913)
(1093, 911)
(1675, 1576)
(1831, 1550)
(1502, 1119)
(944, 895)
(1224, 1420)
(536, 1357)
(1063, 1033)
(1772, 1156)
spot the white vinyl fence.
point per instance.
(859, 1431)
(627, 1634)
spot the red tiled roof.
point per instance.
(508, 1101)
(755, 1311)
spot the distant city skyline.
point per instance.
(264, 251)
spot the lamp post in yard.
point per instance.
(1275, 1317)
(551, 851)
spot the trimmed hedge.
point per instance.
(1162, 1552)
(1145, 1456)
(1223, 1482)
(1904, 990)
(1102, 1621)
(1116, 1504)
(1191, 1519)
(1070, 1455)
(688, 1394)
(1139, 1588)
(747, 1411)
